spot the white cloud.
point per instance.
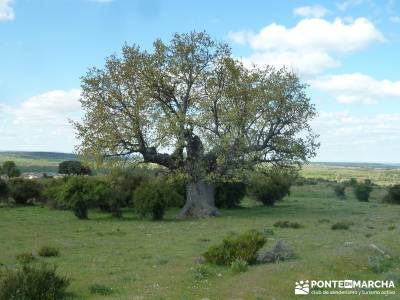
(315, 11)
(344, 5)
(41, 122)
(6, 10)
(311, 46)
(345, 137)
(357, 88)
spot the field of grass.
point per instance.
(380, 176)
(36, 161)
(141, 259)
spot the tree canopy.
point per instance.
(189, 105)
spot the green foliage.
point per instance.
(269, 188)
(201, 272)
(52, 192)
(340, 191)
(79, 193)
(154, 197)
(73, 167)
(229, 194)
(363, 190)
(341, 225)
(239, 266)
(393, 195)
(100, 289)
(23, 190)
(10, 169)
(32, 282)
(48, 251)
(234, 247)
(288, 224)
(25, 257)
(381, 263)
(4, 190)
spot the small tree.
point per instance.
(363, 190)
(73, 167)
(80, 193)
(10, 169)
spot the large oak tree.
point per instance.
(189, 105)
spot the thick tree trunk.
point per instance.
(199, 201)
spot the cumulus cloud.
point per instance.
(41, 122)
(357, 88)
(315, 11)
(6, 10)
(370, 138)
(311, 46)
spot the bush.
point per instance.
(79, 193)
(269, 188)
(32, 282)
(124, 182)
(340, 191)
(25, 257)
(239, 266)
(48, 251)
(100, 289)
(154, 197)
(234, 247)
(9, 169)
(393, 195)
(363, 190)
(201, 272)
(229, 194)
(4, 190)
(73, 167)
(380, 263)
(287, 224)
(52, 192)
(342, 225)
(24, 190)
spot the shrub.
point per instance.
(24, 190)
(342, 225)
(340, 191)
(393, 195)
(79, 193)
(287, 224)
(4, 190)
(25, 257)
(380, 263)
(32, 282)
(154, 198)
(239, 266)
(234, 247)
(269, 188)
(201, 272)
(73, 167)
(100, 289)
(52, 193)
(48, 251)
(9, 169)
(362, 191)
(229, 194)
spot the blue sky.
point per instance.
(348, 51)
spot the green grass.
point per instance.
(141, 259)
(378, 176)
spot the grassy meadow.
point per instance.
(141, 259)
